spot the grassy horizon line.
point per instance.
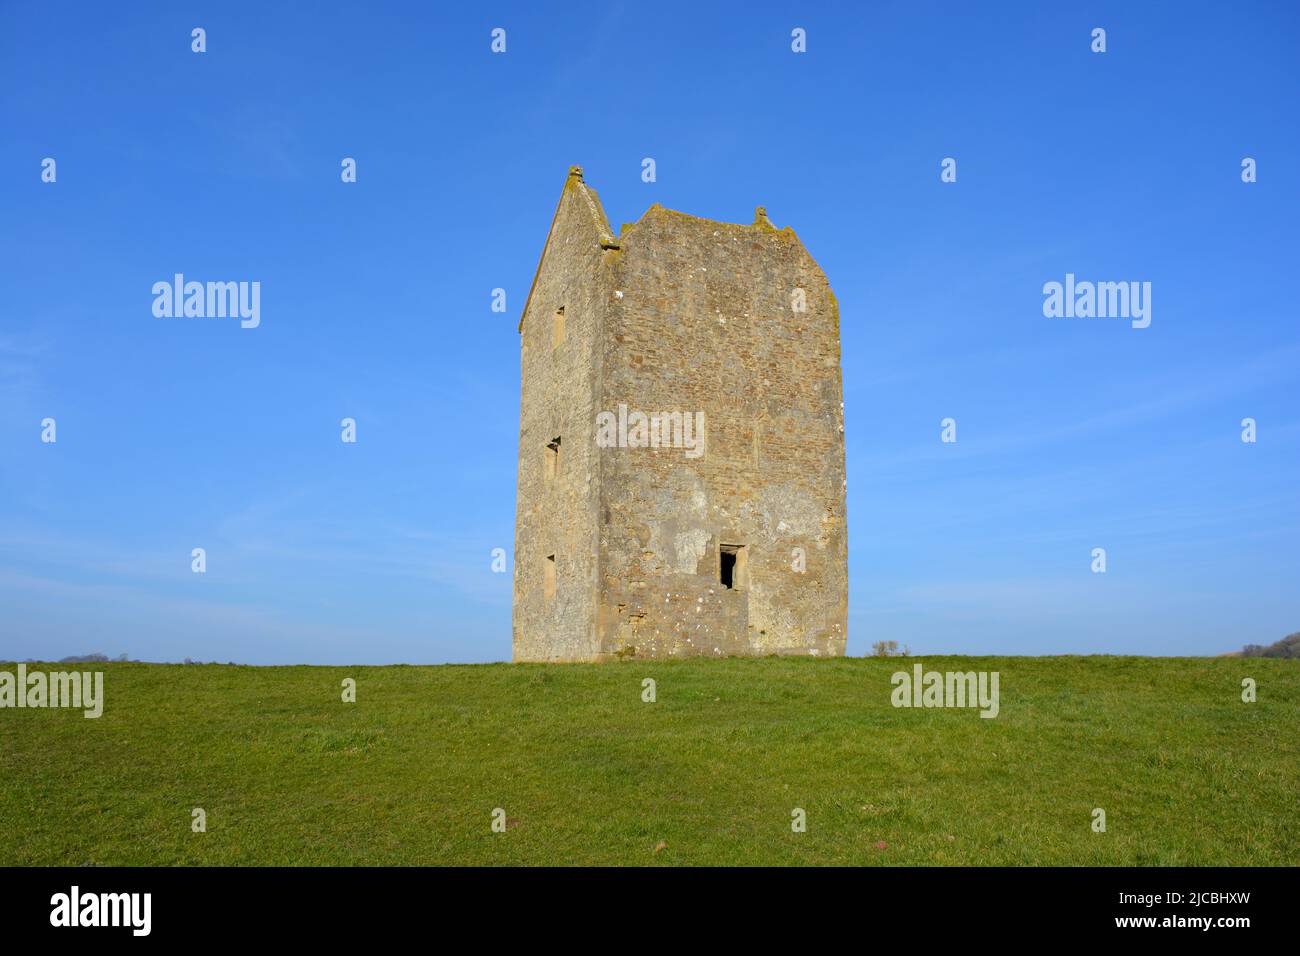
(712, 772)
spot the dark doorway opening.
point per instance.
(731, 566)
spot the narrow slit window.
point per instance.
(552, 458)
(732, 566)
(548, 577)
(557, 328)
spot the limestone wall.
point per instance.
(679, 316)
(701, 318)
(556, 514)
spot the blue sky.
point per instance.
(1073, 434)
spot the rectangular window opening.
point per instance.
(548, 577)
(557, 328)
(553, 458)
(732, 566)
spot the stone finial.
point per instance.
(576, 172)
(760, 217)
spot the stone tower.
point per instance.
(681, 442)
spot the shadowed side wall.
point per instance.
(556, 512)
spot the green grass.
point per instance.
(588, 774)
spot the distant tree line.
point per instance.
(889, 649)
(98, 658)
(1289, 646)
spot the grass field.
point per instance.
(708, 774)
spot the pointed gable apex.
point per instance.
(579, 194)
